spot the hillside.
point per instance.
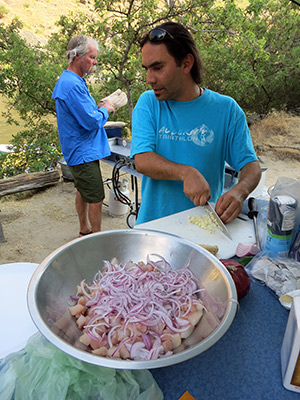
(39, 16)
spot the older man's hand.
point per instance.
(108, 105)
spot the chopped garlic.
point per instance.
(207, 222)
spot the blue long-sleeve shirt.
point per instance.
(80, 122)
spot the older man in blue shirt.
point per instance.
(80, 124)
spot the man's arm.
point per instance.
(155, 166)
(230, 204)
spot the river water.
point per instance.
(7, 130)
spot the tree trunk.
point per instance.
(22, 182)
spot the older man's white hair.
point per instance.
(80, 46)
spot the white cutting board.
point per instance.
(178, 224)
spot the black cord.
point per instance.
(115, 182)
(121, 196)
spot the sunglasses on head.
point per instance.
(158, 34)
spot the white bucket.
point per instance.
(115, 207)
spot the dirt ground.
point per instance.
(36, 223)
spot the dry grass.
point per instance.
(39, 17)
(279, 133)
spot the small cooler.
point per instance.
(114, 129)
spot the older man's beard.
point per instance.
(93, 69)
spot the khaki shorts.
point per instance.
(88, 181)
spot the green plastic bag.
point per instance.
(43, 372)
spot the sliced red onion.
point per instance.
(121, 344)
(147, 341)
(136, 349)
(94, 300)
(110, 334)
(155, 352)
(92, 336)
(130, 295)
(83, 289)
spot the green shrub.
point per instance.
(35, 150)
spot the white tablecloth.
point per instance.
(16, 323)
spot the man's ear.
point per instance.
(188, 63)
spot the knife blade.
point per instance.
(220, 224)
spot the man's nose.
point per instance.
(150, 78)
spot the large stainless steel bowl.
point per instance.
(57, 276)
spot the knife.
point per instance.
(220, 224)
(243, 217)
(252, 214)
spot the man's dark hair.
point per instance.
(179, 43)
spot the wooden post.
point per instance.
(22, 182)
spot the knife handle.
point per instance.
(252, 205)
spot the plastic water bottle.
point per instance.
(280, 223)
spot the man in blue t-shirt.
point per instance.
(183, 134)
(82, 136)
